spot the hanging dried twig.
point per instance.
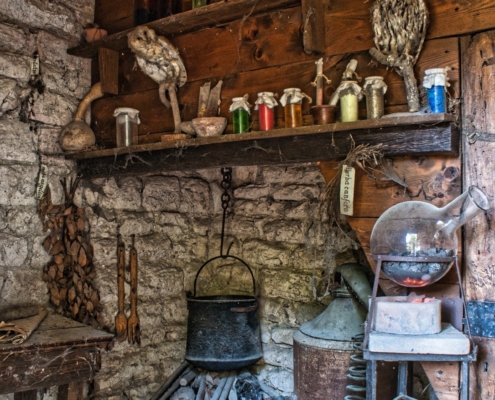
(400, 31)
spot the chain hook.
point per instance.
(226, 185)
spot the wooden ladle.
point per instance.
(133, 331)
(121, 319)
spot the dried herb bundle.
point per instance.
(400, 31)
(70, 273)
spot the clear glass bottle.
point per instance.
(292, 100)
(127, 120)
(418, 229)
(265, 104)
(240, 110)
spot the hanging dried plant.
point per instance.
(70, 273)
(400, 30)
(367, 158)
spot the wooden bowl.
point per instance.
(209, 126)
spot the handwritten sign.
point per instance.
(42, 182)
(347, 190)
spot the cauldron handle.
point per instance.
(224, 257)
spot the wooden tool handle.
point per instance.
(120, 274)
(133, 264)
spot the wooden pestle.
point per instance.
(133, 331)
(120, 319)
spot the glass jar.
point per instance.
(265, 104)
(127, 120)
(199, 3)
(240, 109)
(425, 232)
(292, 100)
(436, 82)
(374, 89)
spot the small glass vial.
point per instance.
(240, 109)
(436, 82)
(127, 120)
(349, 93)
(291, 100)
(265, 104)
(374, 89)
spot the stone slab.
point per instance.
(448, 342)
(394, 314)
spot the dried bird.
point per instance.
(160, 60)
(400, 30)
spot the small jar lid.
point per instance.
(271, 94)
(292, 90)
(374, 78)
(235, 99)
(132, 112)
(432, 71)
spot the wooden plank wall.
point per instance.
(265, 53)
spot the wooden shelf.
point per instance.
(410, 135)
(188, 21)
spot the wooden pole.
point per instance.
(478, 114)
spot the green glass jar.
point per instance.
(198, 3)
(240, 114)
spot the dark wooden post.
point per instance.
(478, 92)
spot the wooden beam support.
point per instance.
(479, 163)
(108, 63)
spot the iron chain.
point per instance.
(226, 184)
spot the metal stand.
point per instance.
(404, 358)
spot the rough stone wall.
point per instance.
(176, 216)
(31, 115)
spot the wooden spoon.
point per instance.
(133, 332)
(121, 319)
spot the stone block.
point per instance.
(278, 378)
(296, 193)
(24, 222)
(9, 96)
(52, 16)
(162, 193)
(18, 143)
(286, 285)
(252, 192)
(308, 173)
(122, 195)
(17, 40)
(15, 66)
(259, 208)
(394, 314)
(17, 185)
(13, 251)
(195, 195)
(278, 355)
(283, 335)
(448, 341)
(284, 230)
(49, 141)
(53, 109)
(268, 255)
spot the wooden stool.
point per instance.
(60, 352)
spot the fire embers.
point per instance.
(70, 273)
(421, 273)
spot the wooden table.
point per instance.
(60, 352)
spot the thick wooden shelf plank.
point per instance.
(411, 135)
(188, 21)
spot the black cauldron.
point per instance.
(223, 332)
